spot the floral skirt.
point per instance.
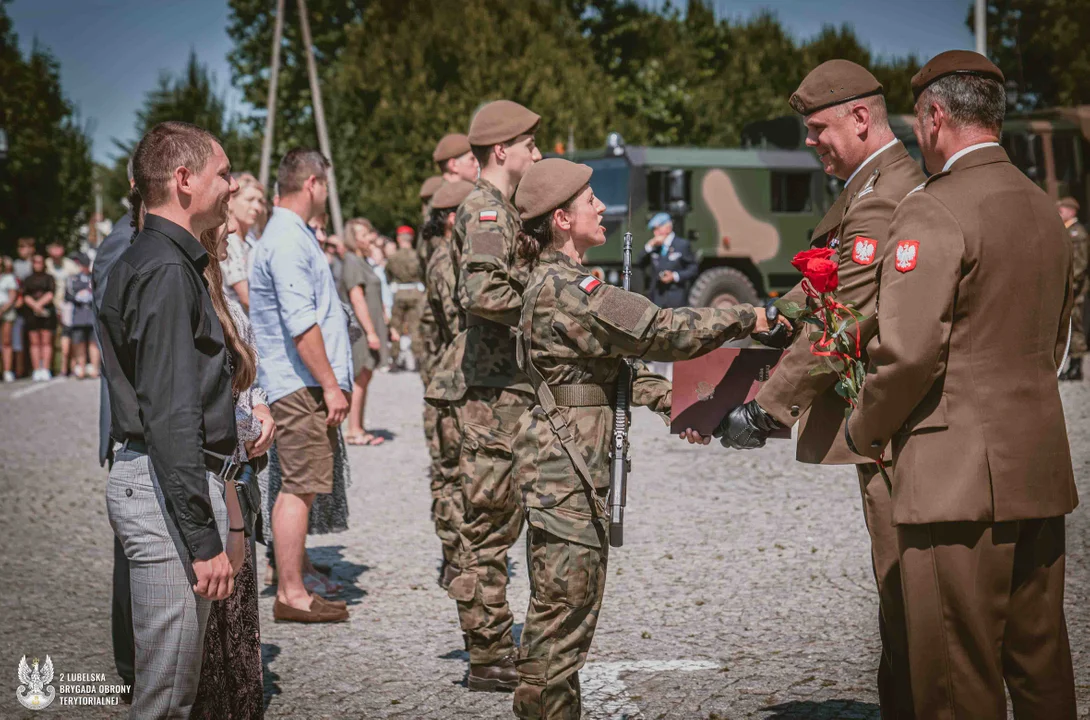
(328, 513)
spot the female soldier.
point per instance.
(574, 332)
(440, 428)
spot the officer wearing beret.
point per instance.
(479, 378)
(574, 332)
(845, 116)
(966, 396)
(671, 262)
(1080, 246)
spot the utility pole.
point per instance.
(980, 15)
(270, 104)
(319, 120)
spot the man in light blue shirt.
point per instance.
(306, 369)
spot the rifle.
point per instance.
(620, 460)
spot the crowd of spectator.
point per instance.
(46, 313)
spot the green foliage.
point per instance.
(1041, 46)
(45, 181)
(190, 96)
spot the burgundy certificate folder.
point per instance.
(707, 388)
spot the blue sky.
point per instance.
(112, 51)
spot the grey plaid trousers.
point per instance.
(169, 619)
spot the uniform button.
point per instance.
(794, 411)
(128, 492)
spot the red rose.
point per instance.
(802, 259)
(822, 274)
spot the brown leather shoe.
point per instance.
(500, 676)
(320, 611)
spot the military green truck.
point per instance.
(746, 212)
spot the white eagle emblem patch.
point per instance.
(907, 252)
(863, 250)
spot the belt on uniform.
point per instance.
(396, 287)
(583, 395)
(221, 466)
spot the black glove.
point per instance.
(746, 427)
(779, 336)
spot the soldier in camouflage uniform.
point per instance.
(479, 378)
(406, 276)
(1080, 246)
(449, 320)
(574, 332)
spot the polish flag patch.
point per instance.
(488, 216)
(864, 250)
(589, 284)
(907, 252)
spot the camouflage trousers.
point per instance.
(405, 318)
(491, 520)
(1078, 329)
(567, 583)
(444, 445)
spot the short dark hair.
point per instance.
(969, 100)
(164, 148)
(482, 153)
(298, 165)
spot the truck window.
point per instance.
(610, 183)
(669, 191)
(791, 192)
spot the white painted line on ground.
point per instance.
(23, 392)
(605, 694)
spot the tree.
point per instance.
(190, 96)
(45, 182)
(1041, 47)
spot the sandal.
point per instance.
(366, 439)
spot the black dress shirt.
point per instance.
(166, 367)
(109, 250)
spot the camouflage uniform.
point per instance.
(479, 378)
(403, 268)
(446, 440)
(1081, 253)
(574, 333)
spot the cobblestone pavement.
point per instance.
(743, 590)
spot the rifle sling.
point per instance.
(548, 403)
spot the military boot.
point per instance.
(500, 676)
(1073, 371)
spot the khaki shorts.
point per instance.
(304, 443)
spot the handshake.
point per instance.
(748, 426)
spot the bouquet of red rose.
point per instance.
(836, 337)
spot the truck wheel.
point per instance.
(722, 287)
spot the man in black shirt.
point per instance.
(169, 378)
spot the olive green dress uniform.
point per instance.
(1080, 247)
(575, 339)
(404, 270)
(967, 396)
(857, 227)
